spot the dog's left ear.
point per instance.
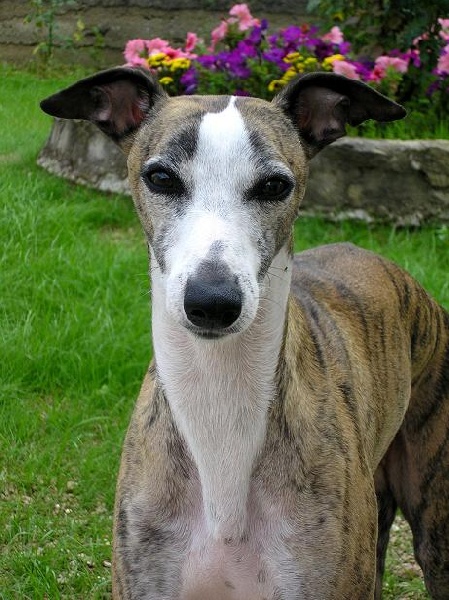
(117, 101)
(321, 104)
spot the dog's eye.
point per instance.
(161, 181)
(275, 188)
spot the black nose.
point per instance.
(213, 299)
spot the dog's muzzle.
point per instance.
(212, 299)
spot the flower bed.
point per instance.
(242, 58)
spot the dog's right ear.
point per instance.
(117, 101)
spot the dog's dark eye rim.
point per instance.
(161, 180)
(273, 188)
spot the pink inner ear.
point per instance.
(123, 108)
(138, 115)
(322, 114)
(304, 117)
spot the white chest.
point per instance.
(220, 410)
(219, 394)
(233, 543)
(256, 566)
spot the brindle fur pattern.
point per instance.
(358, 424)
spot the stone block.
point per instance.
(401, 182)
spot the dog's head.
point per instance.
(217, 180)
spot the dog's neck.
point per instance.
(219, 393)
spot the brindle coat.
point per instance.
(360, 408)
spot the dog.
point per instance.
(294, 402)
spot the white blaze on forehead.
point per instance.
(223, 150)
(225, 129)
(220, 173)
(217, 215)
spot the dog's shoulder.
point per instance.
(337, 260)
(349, 273)
(350, 282)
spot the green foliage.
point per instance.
(381, 24)
(44, 16)
(422, 123)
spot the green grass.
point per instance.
(74, 345)
(417, 125)
(74, 342)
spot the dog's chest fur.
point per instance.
(220, 410)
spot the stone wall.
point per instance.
(121, 20)
(406, 183)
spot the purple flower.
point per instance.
(276, 56)
(292, 34)
(344, 48)
(324, 49)
(364, 69)
(246, 49)
(433, 87)
(207, 61)
(255, 36)
(189, 80)
(238, 69)
(233, 62)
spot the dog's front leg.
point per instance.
(155, 474)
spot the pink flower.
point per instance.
(243, 17)
(135, 53)
(444, 33)
(377, 74)
(343, 67)
(156, 45)
(416, 40)
(382, 63)
(218, 34)
(335, 36)
(443, 61)
(191, 41)
(177, 53)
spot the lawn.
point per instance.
(74, 345)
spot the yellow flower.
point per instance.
(275, 85)
(329, 60)
(292, 57)
(165, 80)
(156, 60)
(310, 62)
(179, 64)
(292, 72)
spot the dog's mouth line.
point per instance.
(206, 333)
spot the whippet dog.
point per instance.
(294, 402)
